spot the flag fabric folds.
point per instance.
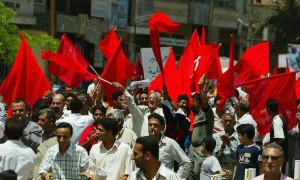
(108, 44)
(118, 69)
(26, 79)
(274, 87)
(225, 83)
(159, 22)
(253, 64)
(68, 76)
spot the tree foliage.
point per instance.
(10, 39)
(285, 27)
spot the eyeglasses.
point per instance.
(273, 158)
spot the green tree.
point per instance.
(10, 39)
(284, 24)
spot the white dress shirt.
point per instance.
(79, 123)
(16, 156)
(110, 164)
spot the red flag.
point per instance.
(159, 22)
(109, 43)
(275, 71)
(68, 76)
(274, 87)
(225, 83)
(253, 64)
(118, 69)
(139, 72)
(297, 88)
(206, 62)
(203, 37)
(26, 79)
(170, 78)
(65, 62)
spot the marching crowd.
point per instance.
(71, 134)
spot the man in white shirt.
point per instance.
(140, 113)
(14, 154)
(146, 155)
(169, 149)
(110, 158)
(79, 122)
(91, 87)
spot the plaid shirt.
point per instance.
(65, 167)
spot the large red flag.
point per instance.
(170, 78)
(225, 83)
(71, 78)
(159, 22)
(109, 44)
(118, 69)
(274, 87)
(253, 64)
(207, 61)
(26, 79)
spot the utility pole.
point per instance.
(52, 18)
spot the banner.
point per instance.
(149, 63)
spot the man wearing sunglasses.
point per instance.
(273, 159)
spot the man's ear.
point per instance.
(147, 155)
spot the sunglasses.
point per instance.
(273, 158)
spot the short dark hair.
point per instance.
(110, 124)
(158, 117)
(18, 100)
(274, 146)
(99, 107)
(182, 97)
(65, 125)
(76, 105)
(272, 105)
(197, 97)
(39, 105)
(143, 92)
(116, 95)
(209, 143)
(70, 94)
(49, 113)
(246, 129)
(8, 175)
(149, 143)
(14, 128)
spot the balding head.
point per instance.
(58, 103)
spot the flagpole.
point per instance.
(94, 70)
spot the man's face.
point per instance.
(138, 155)
(154, 127)
(57, 104)
(67, 90)
(153, 101)
(103, 133)
(143, 99)
(272, 160)
(97, 115)
(44, 122)
(68, 100)
(120, 103)
(183, 102)
(228, 123)
(63, 136)
(19, 110)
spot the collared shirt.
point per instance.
(126, 136)
(163, 173)
(79, 123)
(278, 127)
(16, 156)
(45, 137)
(262, 177)
(110, 164)
(170, 151)
(67, 166)
(32, 134)
(227, 154)
(140, 115)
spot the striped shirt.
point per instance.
(67, 166)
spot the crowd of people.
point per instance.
(73, 134)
